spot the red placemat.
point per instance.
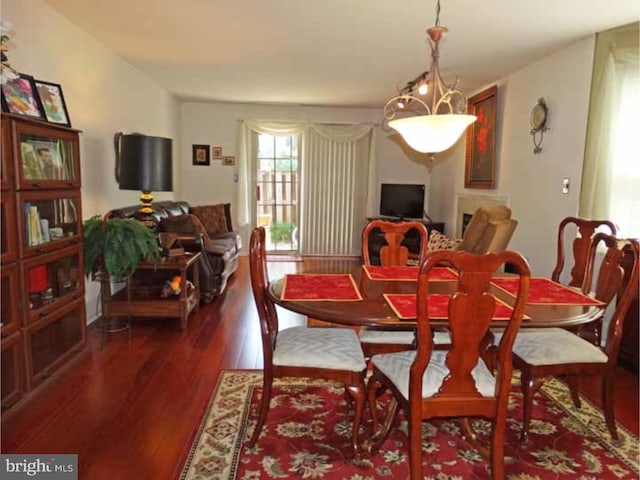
(408, 273)
(405, 306)
(318, 287)
(545, 291)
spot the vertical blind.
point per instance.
(335, 186)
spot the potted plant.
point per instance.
(116, 246)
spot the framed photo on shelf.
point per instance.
(201, 155)
(53, 104)
(228, 160)
(20, 96)
(479, 171)
(216, 153)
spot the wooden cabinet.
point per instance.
(43, 310)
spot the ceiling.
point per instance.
(332, 52)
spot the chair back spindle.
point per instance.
(394, 253)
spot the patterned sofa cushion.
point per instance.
(439, 241)
(213, 217)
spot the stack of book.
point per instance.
(37, 228)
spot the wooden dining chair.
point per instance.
(585, 230)
(540, 353)
(326, 353)
(392, 254)
(430, 383)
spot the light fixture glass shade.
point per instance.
(432, 133)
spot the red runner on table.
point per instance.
(545, 291)
(318, 287)
(405, 306)
(408, 273)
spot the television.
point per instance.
(401, 200)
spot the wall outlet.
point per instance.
(565, 186)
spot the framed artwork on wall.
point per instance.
(216, 153)
(228, 160)
(480, 158)
(201, 155)
(20, 96)
(53, 104)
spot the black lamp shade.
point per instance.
(145, 163)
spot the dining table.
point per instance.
(372, 309)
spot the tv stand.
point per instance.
(411, 239)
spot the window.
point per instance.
(277, 194)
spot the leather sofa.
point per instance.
(489, 230)
(220, 249)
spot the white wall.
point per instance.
(532, 182)
(216, 124)
(104, 94)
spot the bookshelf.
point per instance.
(43, 309)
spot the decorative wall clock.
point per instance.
(538, 119)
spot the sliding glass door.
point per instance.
(277, 191)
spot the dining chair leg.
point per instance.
(497, 448)
(372, 395)
(415, 445)
(530, 385)
(574, 382)
(608, 403)
(357, 392)
(264, 408)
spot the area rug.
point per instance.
(307, 433)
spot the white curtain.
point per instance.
(338, 181)
(611, 177)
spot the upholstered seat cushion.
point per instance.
(333, 348)
(396, 367)
(399, 337)
(551, 346)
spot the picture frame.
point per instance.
(53, 103)
(229, 160)
(201, 155)
(20, 96)
(480, 159)
(216, 153)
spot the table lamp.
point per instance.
(144, 163)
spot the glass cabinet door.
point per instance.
(45, 158)
(53, 340)
(50, 281)
(8, 228)
(48, 221)
(9, 305)
(6, 166)
(12, 376)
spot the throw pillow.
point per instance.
(212, 217)
(180, 224)
(439, 241)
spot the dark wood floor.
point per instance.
(131, 412)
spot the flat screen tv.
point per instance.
(401, 200)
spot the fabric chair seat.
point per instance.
(332, 348)
(396, 366)
(399, 337)
(551, 346)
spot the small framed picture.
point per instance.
(228, 160)
(20, 96)
(216, 153)
(52, 99)
(201, 155)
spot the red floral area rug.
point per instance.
(308, 427)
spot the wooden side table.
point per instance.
(139, 299)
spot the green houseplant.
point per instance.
(116, 246)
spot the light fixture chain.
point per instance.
(438, 14)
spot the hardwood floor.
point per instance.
(131, 411)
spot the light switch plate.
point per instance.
(565, 186)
